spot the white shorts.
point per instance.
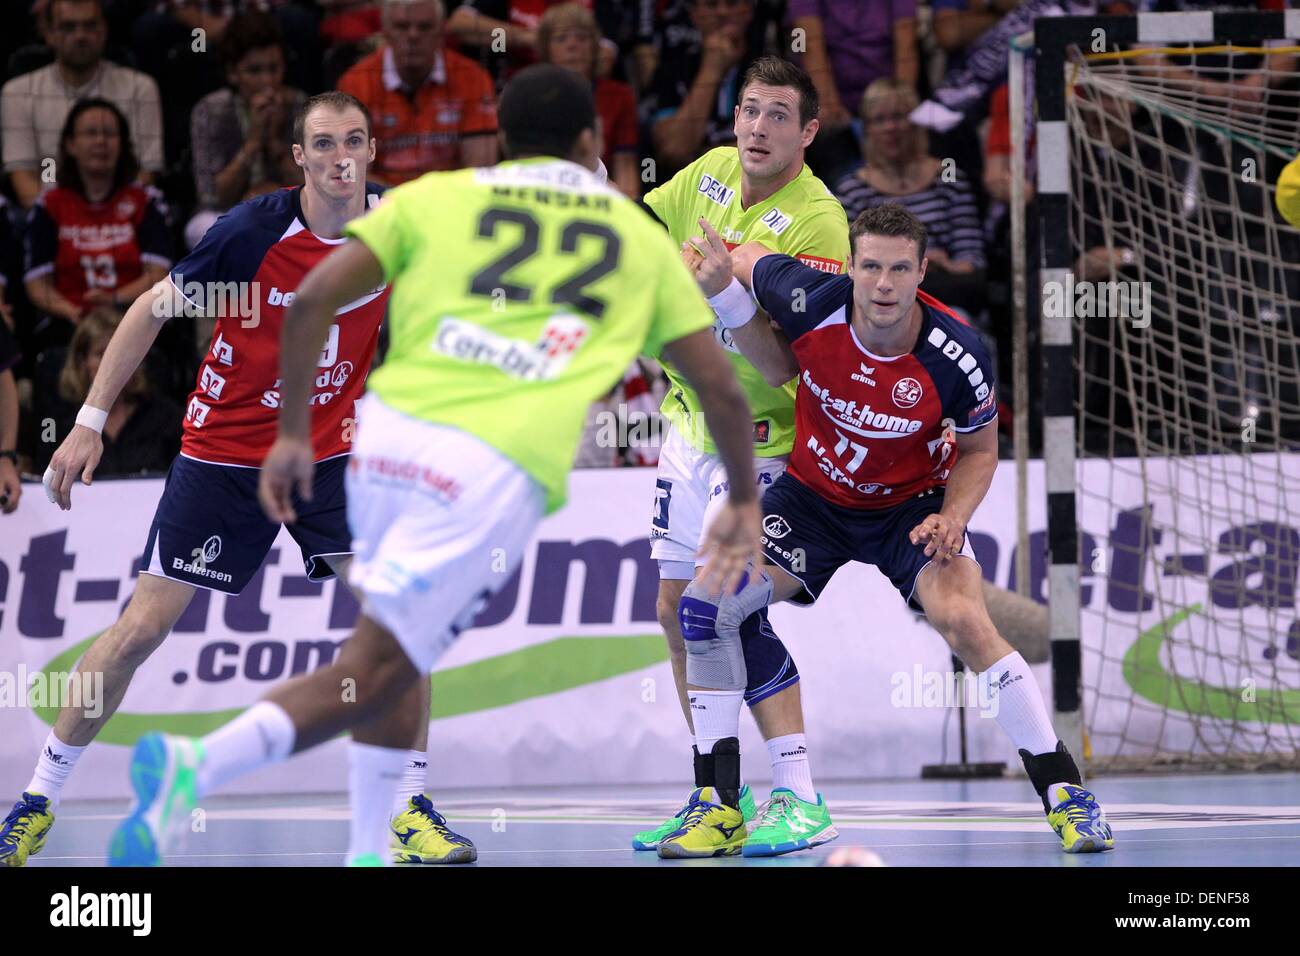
(439, 520)
(690, 490)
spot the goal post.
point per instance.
(1170, 330)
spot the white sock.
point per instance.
(1021, 712)
(790, 768)
(373, 777)
(415, 774)
(53, 767)
(716, 714)
(262, 735)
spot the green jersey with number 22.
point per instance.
(520, 293)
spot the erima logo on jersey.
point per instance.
(561, 337)
(716, 191)
(965, 361)
(853, 418)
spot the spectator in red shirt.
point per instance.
(569, 37)
(99, 237)
(433, 108)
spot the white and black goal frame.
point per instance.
(1053, 39)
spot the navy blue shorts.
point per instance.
(811, 538)
(210, 531)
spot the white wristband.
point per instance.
(733, 306)
(93, 418)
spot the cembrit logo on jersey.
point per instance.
(561, 337)
(715, 190)
(776, 526)
(907, 392)
(863, 421)
(864, 374)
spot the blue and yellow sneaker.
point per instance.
(786, 824)
(650, 839)
(1078, 820)
(163, 774)
(25, 829)
(421, 835)
(708, 828)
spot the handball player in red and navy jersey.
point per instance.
(209, 530)
(895, 447)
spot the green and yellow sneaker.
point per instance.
(1078, 820)
(421, 835)
(708, 829)
(650, 839)
(786, 824)
(25, 829)
(163, 772)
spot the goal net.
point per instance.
(1184, 299)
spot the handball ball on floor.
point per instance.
(853, 856)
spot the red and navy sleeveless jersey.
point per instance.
(245, 272)
(86, 245)
(869, 429)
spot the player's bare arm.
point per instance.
(732, 541)
(80, 451)
(743, 258)
(765, 346)
(344, 276)
(968, 483)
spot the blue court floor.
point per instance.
(1191, 820)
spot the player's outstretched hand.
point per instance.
(713, 273)
(288, 467)
(730, 545)
(942, 536)
(78, 455)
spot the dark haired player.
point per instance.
(760, 189)
(467, 434)
(209, 531)
(893, 452)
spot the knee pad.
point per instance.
(711, 631)
(768, 664)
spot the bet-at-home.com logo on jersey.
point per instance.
(530, 361)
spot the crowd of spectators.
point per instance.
(128, 126)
